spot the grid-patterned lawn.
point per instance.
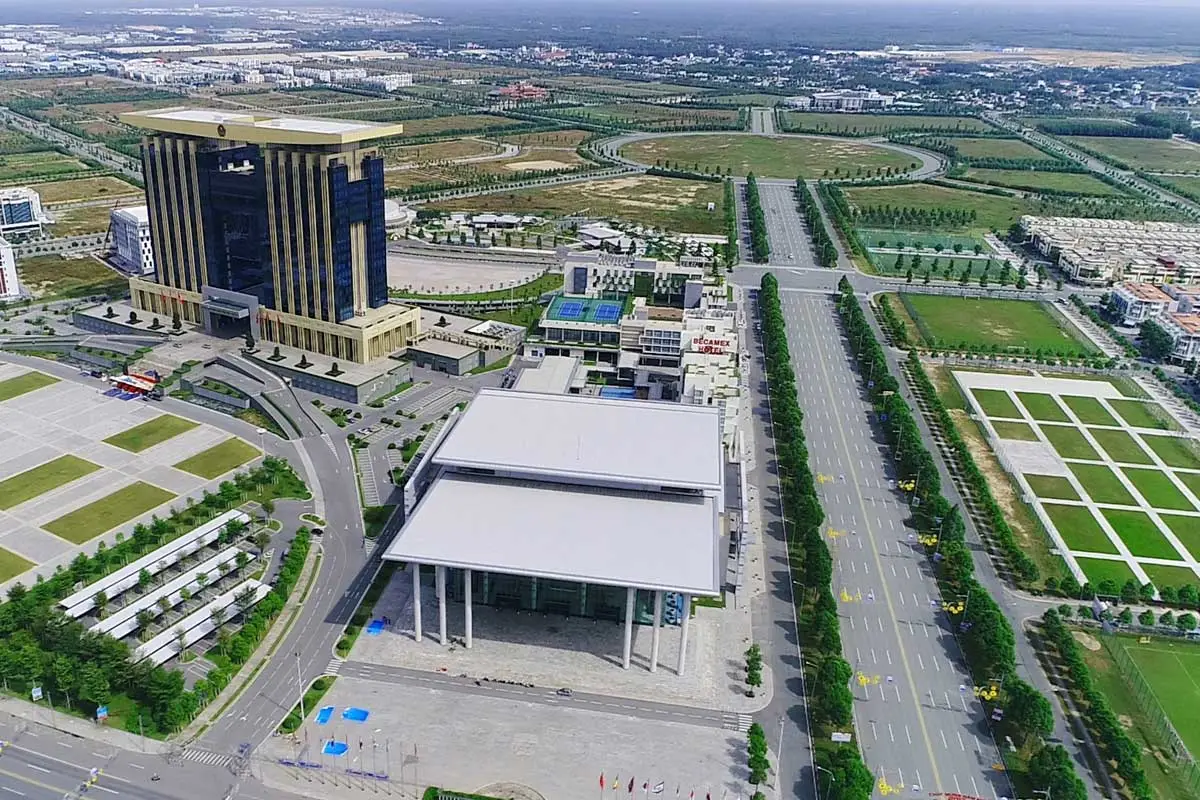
(1140, 534)
(27, 382)
(996, 403)
(151, 432)
(1174, 450)
(1162, 575)
(228, 455)
(1014, 430)
(1069, 442)
(1099, 569)
(88, 522)
(32, 482)
(1043, 407)
(1187, 529)
(1079, 529)
(1101, 484)
(1190, 480)
(1120, 446)
(1141, 414)
(12, 565)
(1089, 410)
(1052, 487)
(1158, 489)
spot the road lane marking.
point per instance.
(943, 735)
(961, 746)
(12, 791)
(39, 769)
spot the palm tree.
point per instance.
(223, 639)
(164, 605)
(101, 601)
(181, 640)
(218, 617)
(144, 580)
(245, 599)
(242, 559)
(144, 618)
(202, 580)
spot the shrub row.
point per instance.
(731, 225)
(823, 245)
(760, 249)
(892, 322)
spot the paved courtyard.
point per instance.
(450, 276)
(421, 737)
(72, 418)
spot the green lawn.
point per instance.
(880, 124)
(150, 433)
(219, 459)
(1175, 451)
(88, 522)
(1190, 480)
(1187, 529)
(1089, 410)
(33, 482)
(54, 276)
(1140, 534)
(1120, 446)
(1152, 155)
(1101, 484)
(1034, 181)
(991, 147)
(1158, 489)
(1098, 569)
(26, 382)
(1079, 529)
(967, 321)
(996, 403)
(1144, 415)
(1043, 407)
(1051, 487)
(1069, 442)
(12, 565)
(1015, 430)
(1161, 575)
(1172, 668)
(766, 157)
(991, 211)
(374, 518)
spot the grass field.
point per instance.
(926, 242)
(1098, 570)
(996, 403)
(1006, 323)
(1172, 668)
(219, 459)
(1120, 446)
(88, 522)
(1052, 487)
(1158, 489)
(26, 382)
(1079, 529)
(437, 151)
(46, 164)
(880, 123)
(1015, 430)
(1140, 534)
(1089, 410)
(764, 156)
(1190, 480)
(1043, 407)
(86, 189)
(1184, 184)
(1187, 529)
(1162, 575)
(1069, 442)
(37, 481)
(55, 276)
(1175, 451)
(150, 433)
(668, 203)
(991, 210)
(651, 116)
(1153, 155)
(1101, 484)
(572, 137)
(988, 147)
(82, 220)
(12, 565)
(1052, 181)
(459, 123)
(1144, 415)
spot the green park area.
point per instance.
(219, 459)
(766, 157)
(88, 522)
(1144, 415)
(1158, 489)
(1102, 484)
(54, 276)
(150, 433)
(996, 403)
(1052, 487)
(991, 211)
(1152, 155)
(1042, 407)
(1120, 446)
(39, 165)
(26, 382)
(1068, 442)
(968, 322)
(1015, 430)
(1174, 450)
(12, 565)
(1089, 410)
(1139, 533)
(880, 124)
(1079, 529)
(1037, 181)
(37, 481)
(993, 147)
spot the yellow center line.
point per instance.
(887, 595)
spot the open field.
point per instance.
(219, 459)
(1042, 407)
(1032, 180)
(19, 167)
(989, 147)
(88, 522)
(1015, 430)
(991, 210)
(459, 123)
(765, 157)
(437, 151)
(669, 203)
(652, 117)
(531, 160)
(12, 565)
(571, 137)
(26, 382)
(878, 124)
(56, 276)
(1004, 323)
(1158, 489)
(87, 189)
(13, 141)
(1102, 484)
(996, 403)
(615, 87)
(42, 478)
(1185, 185)
(81, 220)
(1172, 668)
(1068, 442)
(1153, 155)
(150, 433)
(1097, 571)
(1140, 534)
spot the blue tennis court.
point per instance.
(571, 309)
(354, 714)
(324, 714)
(607, 312)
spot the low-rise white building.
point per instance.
(1184, 330)
(21, 211)
(1139, 302)
(389, 82)
(1100, 251)
(131, 237)
(10, 287)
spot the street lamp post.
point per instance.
(262, 446)
(832, 780)
(300, 686)
(779, 754)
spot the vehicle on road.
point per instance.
(563, 692)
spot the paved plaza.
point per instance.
(450, 276)
(72, 418)
(431, 737)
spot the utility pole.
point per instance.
(300, 684)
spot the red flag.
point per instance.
(601, 780)
(646, 786)
(631, 785)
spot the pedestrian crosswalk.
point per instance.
(737, 722)
(206, 757)
(334, 666)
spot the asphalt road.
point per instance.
(787, 233)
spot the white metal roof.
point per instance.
(588, 438)
(552, 376)
(639, 539)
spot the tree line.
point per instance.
(823, 246)
(842, 214)
(984, 633)
(951, 151)
(1096, 127)
(909, 217)
(731, 226)
(760, 249)
(827, 673)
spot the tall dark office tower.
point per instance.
(273, 226)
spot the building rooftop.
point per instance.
(1188, 323)
(1146, 291)
(137, 214)
(258, 129)
(553, 375)
(587, 438)
(614, 538)
(564, 308)
(441, 347)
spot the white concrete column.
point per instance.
(683, 632)
(630, 596)
(416, 599)
(658, 603)
(467, 600)
(440, 580)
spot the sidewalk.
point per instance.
(40, 715)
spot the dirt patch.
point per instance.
(1093, 644)
(545, 165)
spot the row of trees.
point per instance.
(827, 672)
(952, 151)
(909, 217)
(695, 170)
(760, 249)
(1098, 127)
(823, 245)
(731, 225)
(842, 214)
(984, 633)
